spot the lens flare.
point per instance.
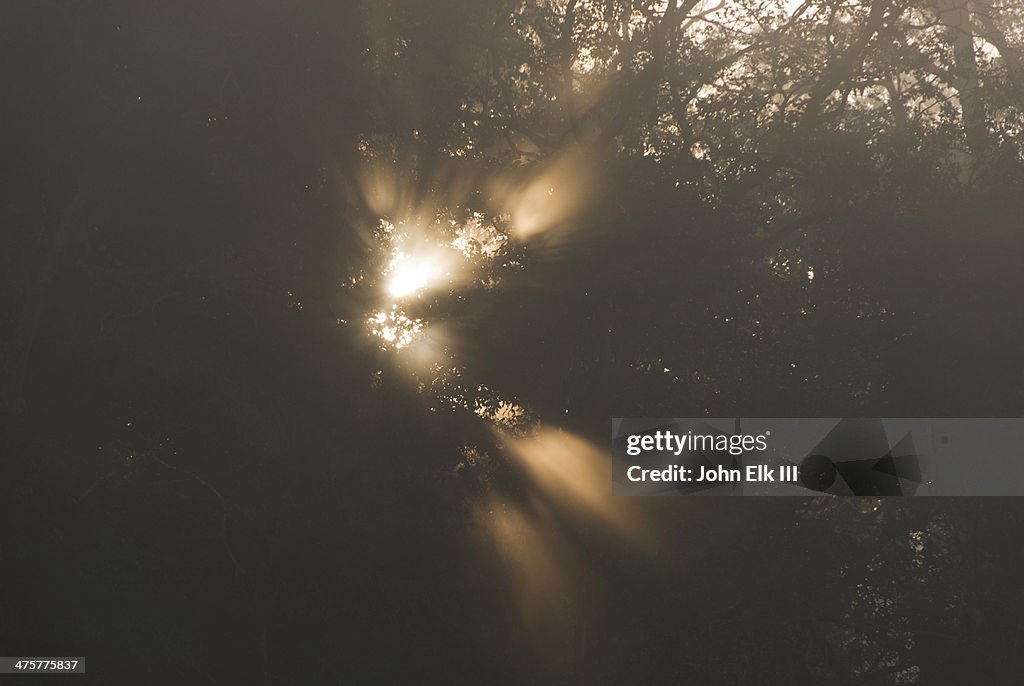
(573, 475)
(547, 207)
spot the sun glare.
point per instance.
(410, 275)
(429, 257)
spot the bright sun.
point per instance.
(411, 275)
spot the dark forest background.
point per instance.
(216, 469)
